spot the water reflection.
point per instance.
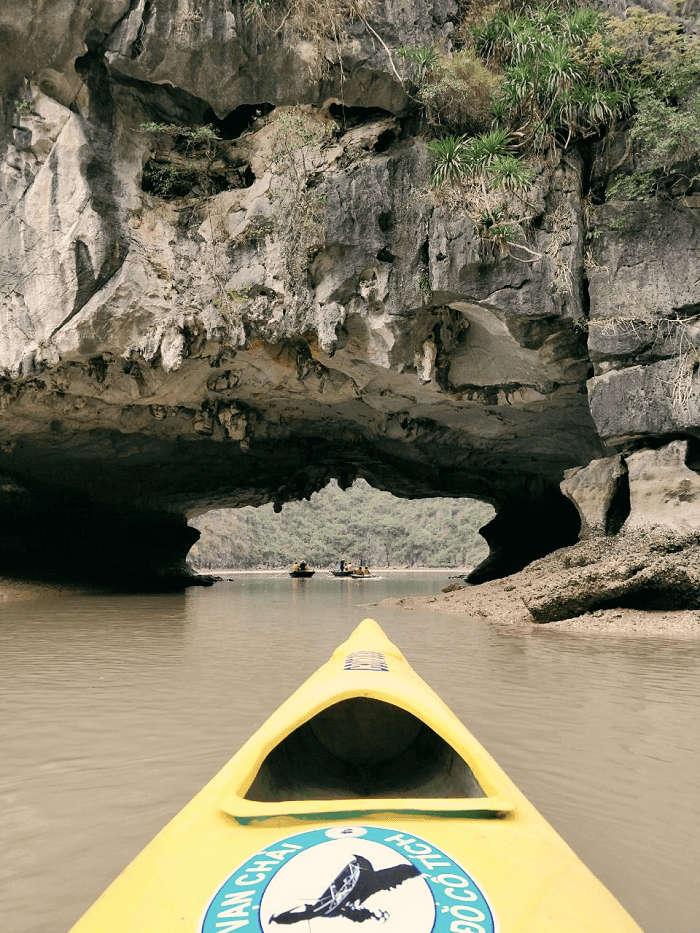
(114, 710)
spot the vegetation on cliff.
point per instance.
(360, 523)
(517, 82)
(527, 79)
(548, 75)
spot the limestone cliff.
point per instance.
(225, 280)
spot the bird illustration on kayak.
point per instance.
(353, 885)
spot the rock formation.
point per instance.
(193, 319)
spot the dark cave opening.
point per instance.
(356, 116)
(238, 121)
(349, 117)
(525, 529)
(619, 508)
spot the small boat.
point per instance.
(301, 570)
(344, 569)
(362, 799)
(361, 575)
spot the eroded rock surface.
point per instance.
(637, 570)
(189, 322)
(600, 493)
(645, 571)
(664, 491)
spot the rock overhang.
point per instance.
(176, 353)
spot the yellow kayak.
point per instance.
(362, 800)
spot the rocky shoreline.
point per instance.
(628, 584)
(643, 623)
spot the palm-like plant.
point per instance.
(502, 234)
(507, 171)
(530, 40)
(483, 150)
(493, 37)
(449, 160)
(581, 25)
(544, 136)
(558, 69)
(519, 86)
(424, 59)
(500, 110)
(593, 106)
(548, 20)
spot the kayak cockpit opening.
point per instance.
(359, 748)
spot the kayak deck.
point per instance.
(362, 799)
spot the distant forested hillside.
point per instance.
(360, 523)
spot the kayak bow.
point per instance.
(362, 799)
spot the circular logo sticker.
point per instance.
(345, 876)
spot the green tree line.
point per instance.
(360, 523)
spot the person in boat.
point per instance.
(302, 566)
(341, 565)
(295, 568)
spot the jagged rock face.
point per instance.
(645, 320)
(189, 323)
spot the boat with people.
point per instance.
(344, 569)
(361, 799)
(301, 569)
(361, 573)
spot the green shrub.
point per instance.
(494, 226)
(484, 150)
(169, 181)
(160, 129)
(195, 134)
(550, 92)
(160, 179)
(425, 285)
(666, 135)
(458, 92)
(509, 172)
(636, 187)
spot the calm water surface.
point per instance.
(114, 710)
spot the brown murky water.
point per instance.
(114, 710)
